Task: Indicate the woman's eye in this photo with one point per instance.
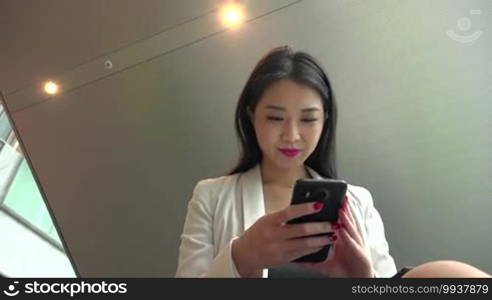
(309, 120)
(280, 119)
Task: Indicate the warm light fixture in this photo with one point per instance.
(232, 15)
(51, 88)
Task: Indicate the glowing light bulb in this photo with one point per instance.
(232, 15)
(51, 88)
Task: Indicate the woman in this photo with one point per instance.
(236, 224)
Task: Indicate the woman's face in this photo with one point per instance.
(288, 117)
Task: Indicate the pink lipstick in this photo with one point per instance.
(290, 152)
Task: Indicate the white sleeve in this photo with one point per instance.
(382, 261)
(196, 251)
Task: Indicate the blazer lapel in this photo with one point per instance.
(313, 173)
(252, 196)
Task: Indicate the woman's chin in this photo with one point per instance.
(288, 162)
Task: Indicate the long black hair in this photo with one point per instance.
(302, 68)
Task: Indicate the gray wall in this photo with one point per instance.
(119, 152)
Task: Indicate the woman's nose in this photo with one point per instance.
(290, 131)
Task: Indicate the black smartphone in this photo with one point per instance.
(329, 191)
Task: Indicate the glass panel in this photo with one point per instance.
(25, 222)
(5, 128)
(25, 199)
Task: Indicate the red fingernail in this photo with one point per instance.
(335, 225)
(333, 238)
(318, 205)
(345, 201)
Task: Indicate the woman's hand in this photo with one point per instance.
(270, 241)
(350, 257)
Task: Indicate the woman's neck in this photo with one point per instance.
(273, 175)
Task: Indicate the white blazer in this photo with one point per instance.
(222, 208)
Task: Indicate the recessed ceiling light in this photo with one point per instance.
(51, 88)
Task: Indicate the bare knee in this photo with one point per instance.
(445, 268)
